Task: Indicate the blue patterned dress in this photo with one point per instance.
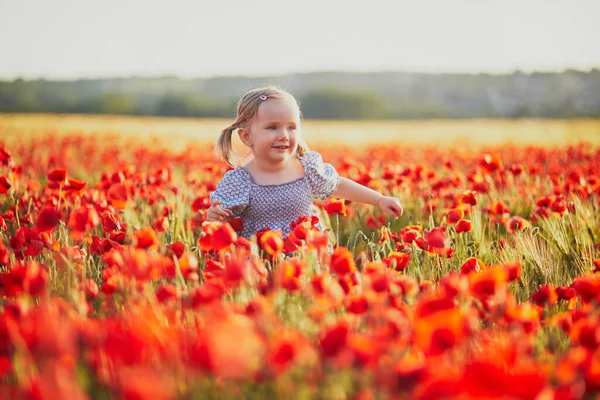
(276, 206)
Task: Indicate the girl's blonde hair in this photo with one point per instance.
(247, 108)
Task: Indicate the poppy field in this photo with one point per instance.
(112, 285)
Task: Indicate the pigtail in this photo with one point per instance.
(224, 147)
(302, 148)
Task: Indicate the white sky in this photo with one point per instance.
(68, 39)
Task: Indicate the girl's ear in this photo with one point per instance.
(245, 136)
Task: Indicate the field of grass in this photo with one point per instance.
(444, 133)
(113, 285)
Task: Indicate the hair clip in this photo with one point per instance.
(263, 97)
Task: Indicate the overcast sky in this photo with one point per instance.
(68, 39)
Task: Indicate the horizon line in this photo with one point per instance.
(304, 72)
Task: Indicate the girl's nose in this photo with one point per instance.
(284, 134)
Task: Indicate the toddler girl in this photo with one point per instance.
(283, 178)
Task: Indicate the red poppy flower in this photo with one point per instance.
(82, 219)
(287, 274)
(4, 184)
(486, 380)
(409, 372)
(201, 203)
(356, 303)
(119, 194)
(146, 238)
(318, 241)
(30, 278)
(489, 282)
(5, 157)
(110, 222)
(559, 205)
(379, 280)
(336, 206)
(366, 349)
(143, 382)
(545, 295)
(176, 248)
(210, 291)
(491, 162)
(310, 220)
(334, 339)
(514, 271)
(4, 254)
(237, 224)
(565, 292)
(90, 288)
(75, 186)
(437, 242)
(463, 225)
(292, 243)
(469, 197)
(596, 263)
(227, 362)
(243, 246)
(271, 242)
(439, 331)
(47, 219)
(516, 223)
(498, 207)
(188, 265)
(397, 260)
(166, 292)
(587, 287)
(409, 236)
(102, 245)
(455, 214)
(161, 224)
(216, 236)
(471, 264)
(376, 223)
(282, 352)
(516, 169)
(213, 269)
(342, 261)
(526, 315)
(59, 175)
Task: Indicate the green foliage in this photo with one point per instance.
(113, 103)
(341, 103)
(189, 105)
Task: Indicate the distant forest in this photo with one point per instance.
(323, 95)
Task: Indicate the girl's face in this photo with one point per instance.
(274, 132)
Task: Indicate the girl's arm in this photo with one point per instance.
(350, 190)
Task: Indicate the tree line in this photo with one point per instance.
(323, 95)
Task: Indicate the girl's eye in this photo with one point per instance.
(272, 127)
(292, 127)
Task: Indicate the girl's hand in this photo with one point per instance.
(391, 206)
(216, 213)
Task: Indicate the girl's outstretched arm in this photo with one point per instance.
(350, 190)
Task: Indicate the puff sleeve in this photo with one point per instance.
(233, 191)
(322, 177)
